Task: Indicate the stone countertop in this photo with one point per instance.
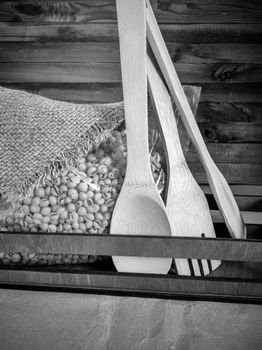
(54, 320)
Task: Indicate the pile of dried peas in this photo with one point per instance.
(79, 199)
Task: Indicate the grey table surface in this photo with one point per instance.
(53, 320)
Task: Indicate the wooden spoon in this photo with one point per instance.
(186, 204)
(220, 188)
(139, 209)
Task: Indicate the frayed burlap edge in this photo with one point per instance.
(89, 139)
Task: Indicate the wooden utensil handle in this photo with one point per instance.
(168, 124)
(160, 50)
(132, 34)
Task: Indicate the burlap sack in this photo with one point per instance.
(37, 134)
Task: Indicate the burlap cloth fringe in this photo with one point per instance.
(38, 134)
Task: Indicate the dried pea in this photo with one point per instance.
(52, 228)
(83, 187)
(71, 184)
(16, 258)
(67, 227)
(90, 209)
(27, 201)
(90, 194)
(82, 196)
(35, 201)
(96, 208)
(96, 225)
(40, 192)
(82, 211)
(46, 211)
(90, 216)
(82, 226)
(74, 216)
(52, 200)
(91, 171)
(92, 230)
(99, 216)
(76, 179)
(82, 166)
(102, 169)
(75, 225)
(89, 224)
(44, 203)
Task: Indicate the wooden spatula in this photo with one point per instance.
(139, 209)
(220, 188)
(186, 204)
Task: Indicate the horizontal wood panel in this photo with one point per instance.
(245, 98)
(125, 245)
(229, 112)
(234, 173)
(215, 53)
(248, 197)
(110, 72)
(239, 190)
(233, 11)
(230, 153)
(231, 132)
(58, 11)
(60, 72)
(109, 52)
(73, 92)
(249, 217)
(228, 93)
(181, 33)
(60, 52)
(166, 12)
(245, 203)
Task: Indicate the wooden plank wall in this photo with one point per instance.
(68, 50)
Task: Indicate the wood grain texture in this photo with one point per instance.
(248, 197)
(98, 72)
(235, 11)
(222, 193)
(230, 111)
(249, 217)
(186, 204)
(58, 11)
(109, 52)
(79, 11)
(231, 86)
(74, 92)
(104, 32)
(193, 94)
(139, 208)
(230, 153)
(126, 245)
(236, 173)
(243, 99)
(232, 93)
(231, 132)
(92, 72)
(239, 190)
(252, 203)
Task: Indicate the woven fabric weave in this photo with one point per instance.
(37, 134)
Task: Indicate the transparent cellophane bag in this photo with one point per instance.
(79, 198)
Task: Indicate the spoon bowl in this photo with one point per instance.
(141, 214)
